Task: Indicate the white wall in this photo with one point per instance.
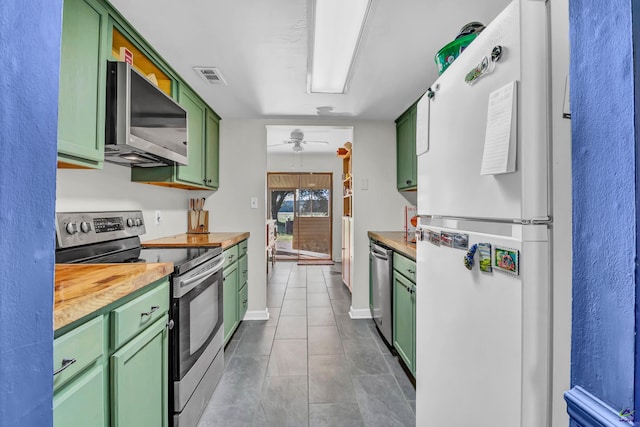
(111, 189)
(243, 169)
(316, 162)
(378, 208)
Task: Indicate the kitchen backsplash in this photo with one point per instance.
(110, 189)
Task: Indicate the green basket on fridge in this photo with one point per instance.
(452, 50)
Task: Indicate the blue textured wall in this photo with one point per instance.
(30, 51)
(604, 194)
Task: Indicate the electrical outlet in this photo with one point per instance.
(158, 217)
(254, 203)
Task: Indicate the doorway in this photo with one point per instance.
(301, 206)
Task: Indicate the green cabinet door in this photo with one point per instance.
(406, 159)
(139, 379)
(212, 150)
(82, 403)
(82, 85)
(194, 173)
(370, 280)
(230, 300)
(404, 319)
(243, 301)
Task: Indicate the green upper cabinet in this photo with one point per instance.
(406, 159)
(203, 149)
(92, 33)
(81, 102)
(212, 150)
(194, 172)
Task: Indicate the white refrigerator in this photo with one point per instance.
(483, 353)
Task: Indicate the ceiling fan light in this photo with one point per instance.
(297, 148)
(337, 27)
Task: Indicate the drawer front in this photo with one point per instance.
(131, 318)
(230, 256)
(242, 248)
(243, 270)
(405, 266)
(83, 344)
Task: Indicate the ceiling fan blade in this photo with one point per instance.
(316, 142)
(277, 145)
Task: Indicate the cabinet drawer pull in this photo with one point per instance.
(65, 364)
(409, 182)
(410, 271)
(154, 308)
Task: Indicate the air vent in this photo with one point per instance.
(211, 75)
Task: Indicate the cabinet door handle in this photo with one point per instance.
(154, 308)
(409, 182)
(65, 364)
(410, 271)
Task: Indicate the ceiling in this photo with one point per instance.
(260, 47)
(334, 136)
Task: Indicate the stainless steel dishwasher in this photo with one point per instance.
(381, 261)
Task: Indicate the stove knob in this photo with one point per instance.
(72, 228)
(129, 222)
(138, 222)
(85, 227)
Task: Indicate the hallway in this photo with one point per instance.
(310, 364)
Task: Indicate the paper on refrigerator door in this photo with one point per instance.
(422, 126)
(499, 155)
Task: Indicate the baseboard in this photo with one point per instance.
(257, 315)
(588, 411)
(360, 313)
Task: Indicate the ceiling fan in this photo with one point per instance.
(296, 140)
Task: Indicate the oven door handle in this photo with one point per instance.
(199, 277)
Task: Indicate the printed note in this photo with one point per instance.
(499, 155)
(422, 126)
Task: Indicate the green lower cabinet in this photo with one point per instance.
(139, 378)
(82, 403)
(113, 368)
(243, 301)
(230, 300)
(370, 280)
(235, 290)
(404, 319)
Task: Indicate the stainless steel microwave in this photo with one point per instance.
(144, 127)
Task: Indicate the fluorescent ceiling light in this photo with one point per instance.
(337, 26)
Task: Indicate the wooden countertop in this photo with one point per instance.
(226, 239)
(82, 289)
(395, 240)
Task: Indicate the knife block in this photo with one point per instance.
(197, 222)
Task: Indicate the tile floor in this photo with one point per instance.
(310, 364)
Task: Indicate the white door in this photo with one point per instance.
(483, 337)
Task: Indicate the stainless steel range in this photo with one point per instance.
(196, 359)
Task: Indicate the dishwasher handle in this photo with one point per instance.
(379, 252)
